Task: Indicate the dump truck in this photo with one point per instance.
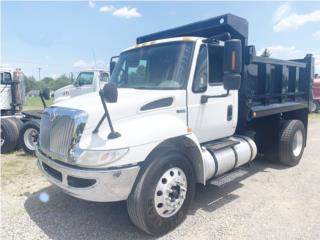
(184, 106)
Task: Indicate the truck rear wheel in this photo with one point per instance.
(18, 125)
(161, 198)
(29, 136)
(9, 135)
(292, 142)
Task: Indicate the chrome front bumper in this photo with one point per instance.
(89, 184)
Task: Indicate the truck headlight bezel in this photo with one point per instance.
(98, 158)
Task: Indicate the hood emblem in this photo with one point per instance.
(52, 116)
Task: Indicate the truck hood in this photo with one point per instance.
(129, 104)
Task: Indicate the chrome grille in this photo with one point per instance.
(60, 128)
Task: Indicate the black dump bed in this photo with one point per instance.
(269, 86)
(236, 26)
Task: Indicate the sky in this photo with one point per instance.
(62, 37)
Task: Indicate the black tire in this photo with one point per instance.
(290, 152)
(18, 125)
(9, 135)
(26, 128)
(141, 202)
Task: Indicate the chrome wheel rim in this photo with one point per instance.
(2, 138)
(297, 143)
(30, 138)
(170, 192)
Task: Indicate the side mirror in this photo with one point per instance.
(45, 93)
(232, 65)
(110, 92)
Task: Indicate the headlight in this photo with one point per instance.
(98, 158)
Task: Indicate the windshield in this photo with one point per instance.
(84, 78)
(162, 66)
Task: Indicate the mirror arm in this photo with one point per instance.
(204, 98)
(43, 101)
(106, 114)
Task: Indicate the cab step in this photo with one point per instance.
(229, 177)
(220, 144)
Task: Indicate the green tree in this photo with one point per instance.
(48, 82)
(30, 83)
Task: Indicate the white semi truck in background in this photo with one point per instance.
(12, 98)
(184, 106)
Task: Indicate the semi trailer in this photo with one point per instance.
(183, 106)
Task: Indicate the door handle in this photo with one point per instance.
(204, 98)
(182, 110)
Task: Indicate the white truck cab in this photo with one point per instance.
(12, 97)
(90, 80)
(182, 107)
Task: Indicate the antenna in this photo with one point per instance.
(94, 58)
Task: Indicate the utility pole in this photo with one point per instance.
(39, 69)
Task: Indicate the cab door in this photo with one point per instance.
(212, 113)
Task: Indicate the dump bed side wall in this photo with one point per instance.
(272, 86)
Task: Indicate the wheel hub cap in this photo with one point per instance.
(30, 138)
(297, 143)
(2, 138)
(170, 192)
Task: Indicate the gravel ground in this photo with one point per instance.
(270, 202)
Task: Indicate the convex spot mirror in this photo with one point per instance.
(232, 64)
(110, 92)
(45, 93)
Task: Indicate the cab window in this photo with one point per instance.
(104, 77)
(201, 73)
(5, 78)
(215, 65)
(85, 78)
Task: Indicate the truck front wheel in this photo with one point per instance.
(292, 142)
(161, 198)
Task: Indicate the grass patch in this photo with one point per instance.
(34, 103)
(314, 116)
(16, 164)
